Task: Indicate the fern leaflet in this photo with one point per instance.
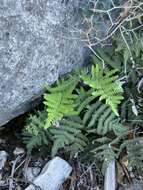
(105, 86)
(34, 135)
(69, 134)
(100, 119)
(134, 148)
(60, 101)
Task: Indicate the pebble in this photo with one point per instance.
(54, 173)
(17, 151)
(31, 173)
(3, 158)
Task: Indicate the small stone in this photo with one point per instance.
(132, 175)
(110, 177)
(3, 158)
(31, 173)
(2, 183)
(18, 151)
(52, 176)
(18, 188)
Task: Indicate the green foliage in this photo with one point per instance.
(106, 128)
(104, 152)
(118, 56)
(83, 99)
(34, 134)
(59, 101)
(134, 118)
(101, 119)
(130, 52)
(105, 86)
(134, 148)
(92, 119)
(76, 115)
(69, 135)
(109, 57)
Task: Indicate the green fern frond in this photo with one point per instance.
(68, 134)
(60, 101)
(83, 99)
(134, 148)
(99, 118)
(63, 84)
(80, 142)
(105, 86)
(108, 56)
(33, 141)
(34, 134)
(35, 122)
(105, 153)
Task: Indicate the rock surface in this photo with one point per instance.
(110, 177)
(52, 176)
(136, 186)
(36, 46)
(3, 158)
(31, 173)
(17, 151)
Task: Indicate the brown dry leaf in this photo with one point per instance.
(126, 163)
(120, 174)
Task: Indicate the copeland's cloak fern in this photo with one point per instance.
(59, 101)
(105, 86)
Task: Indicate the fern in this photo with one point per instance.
(105, 86)
(132, 57)
(106, 154)
(59, 101)
(100, 149)
(34, 134)
(100, 119)
(134, 148)
(80, 123)
(109, 58)
(69, 134)
(118, 55)
(83, 99)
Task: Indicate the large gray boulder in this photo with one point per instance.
(39, 41)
